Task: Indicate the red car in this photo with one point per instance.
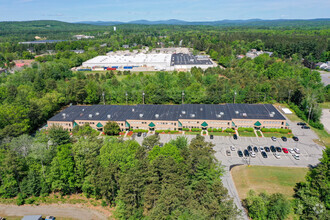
(285, 150)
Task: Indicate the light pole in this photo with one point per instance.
(126, 97)
(235, 96)
(103, 98)
(182, 97)
(143, 97)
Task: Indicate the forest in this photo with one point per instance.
(179, 180)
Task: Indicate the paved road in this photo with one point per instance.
(325, 77)
(325, 119)
(309, 156)
(67, 211)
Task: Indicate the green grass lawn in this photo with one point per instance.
(246, 134)
(324, 137)
(325, 105)
(267, 179)
(278, 135)
(192, 132)
(220, 134)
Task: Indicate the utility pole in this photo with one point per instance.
(309, 112)
(126, 97)
(143, 97)
(235, 96)
(103, 98)
(182, 97)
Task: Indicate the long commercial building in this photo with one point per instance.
(171, 117)
(157, 61)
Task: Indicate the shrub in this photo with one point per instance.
(317, 125)
(174, 132)
(185, 129)
(245, 129)
(29, 200)
(230, 130)
(210, 129)
(139, 130)
(111, 128)
(196, 129)
(20, 199)
(104, 203)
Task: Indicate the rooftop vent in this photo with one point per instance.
(221, 113)
(63, 115)
(83, 109)
(201, 109)
(90, 115)
(218, 116)
(183, 112)
(271, 115)
(156, 115)
(109, 116)
(133, 110)
(97, 113)
(244, 115)
(192, 115)
(237, 112)
(141, 115)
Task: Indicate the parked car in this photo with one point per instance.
(295, 138)
(246, 153)
(261, 149)
(296, 156)
(228, 152)
(272, 149)
(211, 136)
(277, 155)
(305, 127)
(235, 136)
(232, 147)
(50, 218)
(291, 150)
(144, 134)
(274, 138)
(252, 154)
(255, 149)
(267, 149)
(139, 134)
(297, 150)
(278, 149)
(240, 154)
(285, 150)
(301, 123)
(249, 148)
(264, 155)
(284, 138)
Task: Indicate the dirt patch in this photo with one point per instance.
(58, 210)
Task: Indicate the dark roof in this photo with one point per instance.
(188, 59)
(169, 112)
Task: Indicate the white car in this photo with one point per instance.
(261, 149)
(277, 155)
(297, 150)
(232, 148)
(274, 138)
(291, 150)
(252, 154)
(296, 156)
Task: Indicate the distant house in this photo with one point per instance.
(78, 51)
(253, 53)
(81, 36)
(241, 56)
(32, 217)
(22, 63)
(319, 64)
(104, 45)
(126, 46)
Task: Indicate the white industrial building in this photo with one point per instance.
(149, 62)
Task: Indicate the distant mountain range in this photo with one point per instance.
(213, 23)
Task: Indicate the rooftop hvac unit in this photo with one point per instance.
(156, 115)
(133, 110)
(109, 116)
(63, 115)
(221, 113)
(90, 115)
(83, 109)
(201, 109)
(244, 115)
(192, 115)
(97, 113)
(236, 112)
(141, 115)
(218, 116)
(271, 115)
(183, 112)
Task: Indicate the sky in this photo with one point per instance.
(188, 10)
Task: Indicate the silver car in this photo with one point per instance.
(296, 156)
(297, 150)
(232, 148)
(277, 155)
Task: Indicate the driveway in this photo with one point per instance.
(325, 77)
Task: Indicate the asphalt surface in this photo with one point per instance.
(325, 77)
(325, 119)
(310, 153)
